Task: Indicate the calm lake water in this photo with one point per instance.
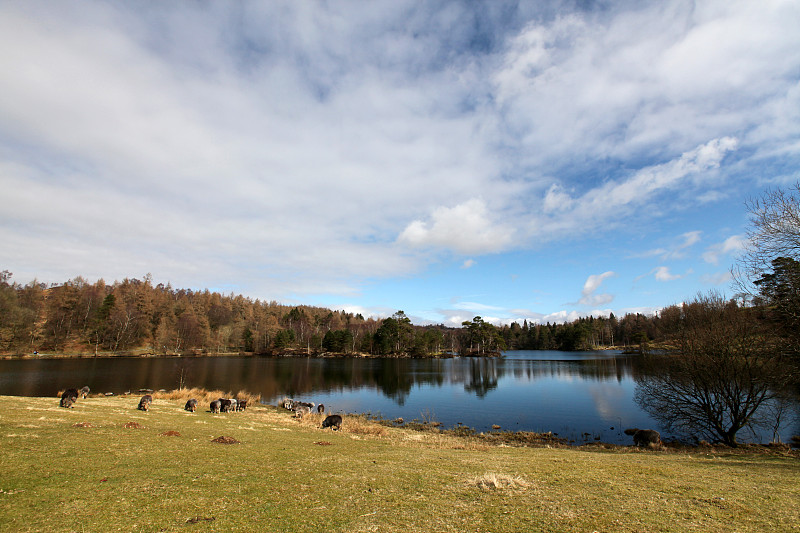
(582, 396)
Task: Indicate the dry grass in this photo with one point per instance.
(492, 481)
(204, 395)
(353, 424)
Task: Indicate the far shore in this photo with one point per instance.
(141, 353)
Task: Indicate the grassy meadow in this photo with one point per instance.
(105, 466)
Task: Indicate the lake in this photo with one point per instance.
(582, 396)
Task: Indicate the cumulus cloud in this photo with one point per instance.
(663, 273)
(465, 228)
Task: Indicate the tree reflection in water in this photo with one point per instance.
(567, 392)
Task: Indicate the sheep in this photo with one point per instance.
(332, 421)
(216, 406)
(321, 408)
(84, 391)
(68, 397)
(302, 410)
(144, 403)
(191, 405)
(241, 404)
(644, 437)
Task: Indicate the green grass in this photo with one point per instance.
(289, 475)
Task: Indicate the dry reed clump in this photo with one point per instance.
(133, 425)
(492, 481)
(205, 396)
(170, 433)
(361, 425)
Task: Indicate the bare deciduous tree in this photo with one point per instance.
(726, 374)
(774, 232)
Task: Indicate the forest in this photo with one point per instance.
(136, 317)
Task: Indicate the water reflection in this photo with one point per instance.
(395, 378)
(574, 394)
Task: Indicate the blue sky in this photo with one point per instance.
(533, 160)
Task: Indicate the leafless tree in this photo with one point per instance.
(725, 375)
(774, 232)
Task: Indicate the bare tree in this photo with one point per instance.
(726, 374)
(774, 233)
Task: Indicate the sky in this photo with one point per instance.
(535, 161)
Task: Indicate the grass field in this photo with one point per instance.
(105, 466)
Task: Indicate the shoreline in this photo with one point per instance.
(495, 437)
(321, 355)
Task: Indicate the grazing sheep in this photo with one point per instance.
(241, 404)
(225, 405)
(191, 405)
(68, 397)
(144, 403)
(234, 405)
(644, 437)
(332, 421)
(321, 408)
(84, 391)
(287, 403)
(216, 406)
(301, 410)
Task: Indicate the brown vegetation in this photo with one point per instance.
(225, 440)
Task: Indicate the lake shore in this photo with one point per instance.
(168, 469)
(287, 353)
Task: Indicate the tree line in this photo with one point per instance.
(136, 316)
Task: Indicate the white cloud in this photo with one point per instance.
(298, 147)
(591, 286)
(469, 263)
(465, 228)
(677, 250)
(663, 273)
(614, 199)
(730, 246)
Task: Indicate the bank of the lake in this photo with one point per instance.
(105, 466)
(580, 396)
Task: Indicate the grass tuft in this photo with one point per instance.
(492, 481)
